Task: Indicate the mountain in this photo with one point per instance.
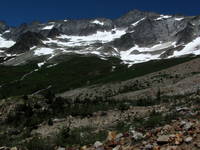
(67, 84)
(134, 38)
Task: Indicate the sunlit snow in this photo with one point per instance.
(7, 31)
(40, 64)
(99, 36)
(163, 17)
(137, 22)
(5, 43)
(143, 54)
(190, 48)
(98, 22)
(49, 27)
(43, 51)
(179, 19)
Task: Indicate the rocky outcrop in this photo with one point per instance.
(26, 41)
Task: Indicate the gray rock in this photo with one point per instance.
(97, 144)
(4, 148)
(163, 139)
(148, 147)
(117, 147)
(187, 125)
(61, 148)
(188, 139)
(137, 135)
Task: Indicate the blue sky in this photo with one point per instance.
(16, 12)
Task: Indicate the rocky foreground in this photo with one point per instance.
(181, 134)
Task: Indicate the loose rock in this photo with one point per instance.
(188, 139)
(164, 139)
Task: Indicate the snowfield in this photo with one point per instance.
(143, 54)
(190, 48)
(100, 36)
(49, 27)
(5, 43)
(43, 51)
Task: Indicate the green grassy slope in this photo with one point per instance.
(78, 71)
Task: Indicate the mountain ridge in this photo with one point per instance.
(143, 32)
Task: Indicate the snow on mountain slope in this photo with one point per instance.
(97, 22)
(138, 54)
(5, 43)
(43, 51)
(163, 17)
(135, 37)
(190, 48)
(137, 22)
(99, 36)
(49, 27)
(179, 19)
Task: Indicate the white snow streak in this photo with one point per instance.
(49, 27)
(43, 51)
(190, 48)
(5, 43)
(97, 22)
(163, 17)
(179, 19)
(40, 64)
(137, 22)
(143, 53)
(99, 36)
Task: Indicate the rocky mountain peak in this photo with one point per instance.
(152, 35)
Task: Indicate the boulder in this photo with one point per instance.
(163, 139)
(61, 148)
(148, 147)
(137, 135)
(188, 139)
(97, 144)
(117, 147)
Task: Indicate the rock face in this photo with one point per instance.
(26, 41)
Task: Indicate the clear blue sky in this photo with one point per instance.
(15, 12)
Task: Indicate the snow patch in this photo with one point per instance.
(137, 22)
(7, 31)
(40, 64)
(50, 66)
(99, 36)
(143, 54)
(97, 22)
(43, 51)
(5, 43)
(190, 48)
(179, 19)
(49, 27)
(163, 17)
(129, 58)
